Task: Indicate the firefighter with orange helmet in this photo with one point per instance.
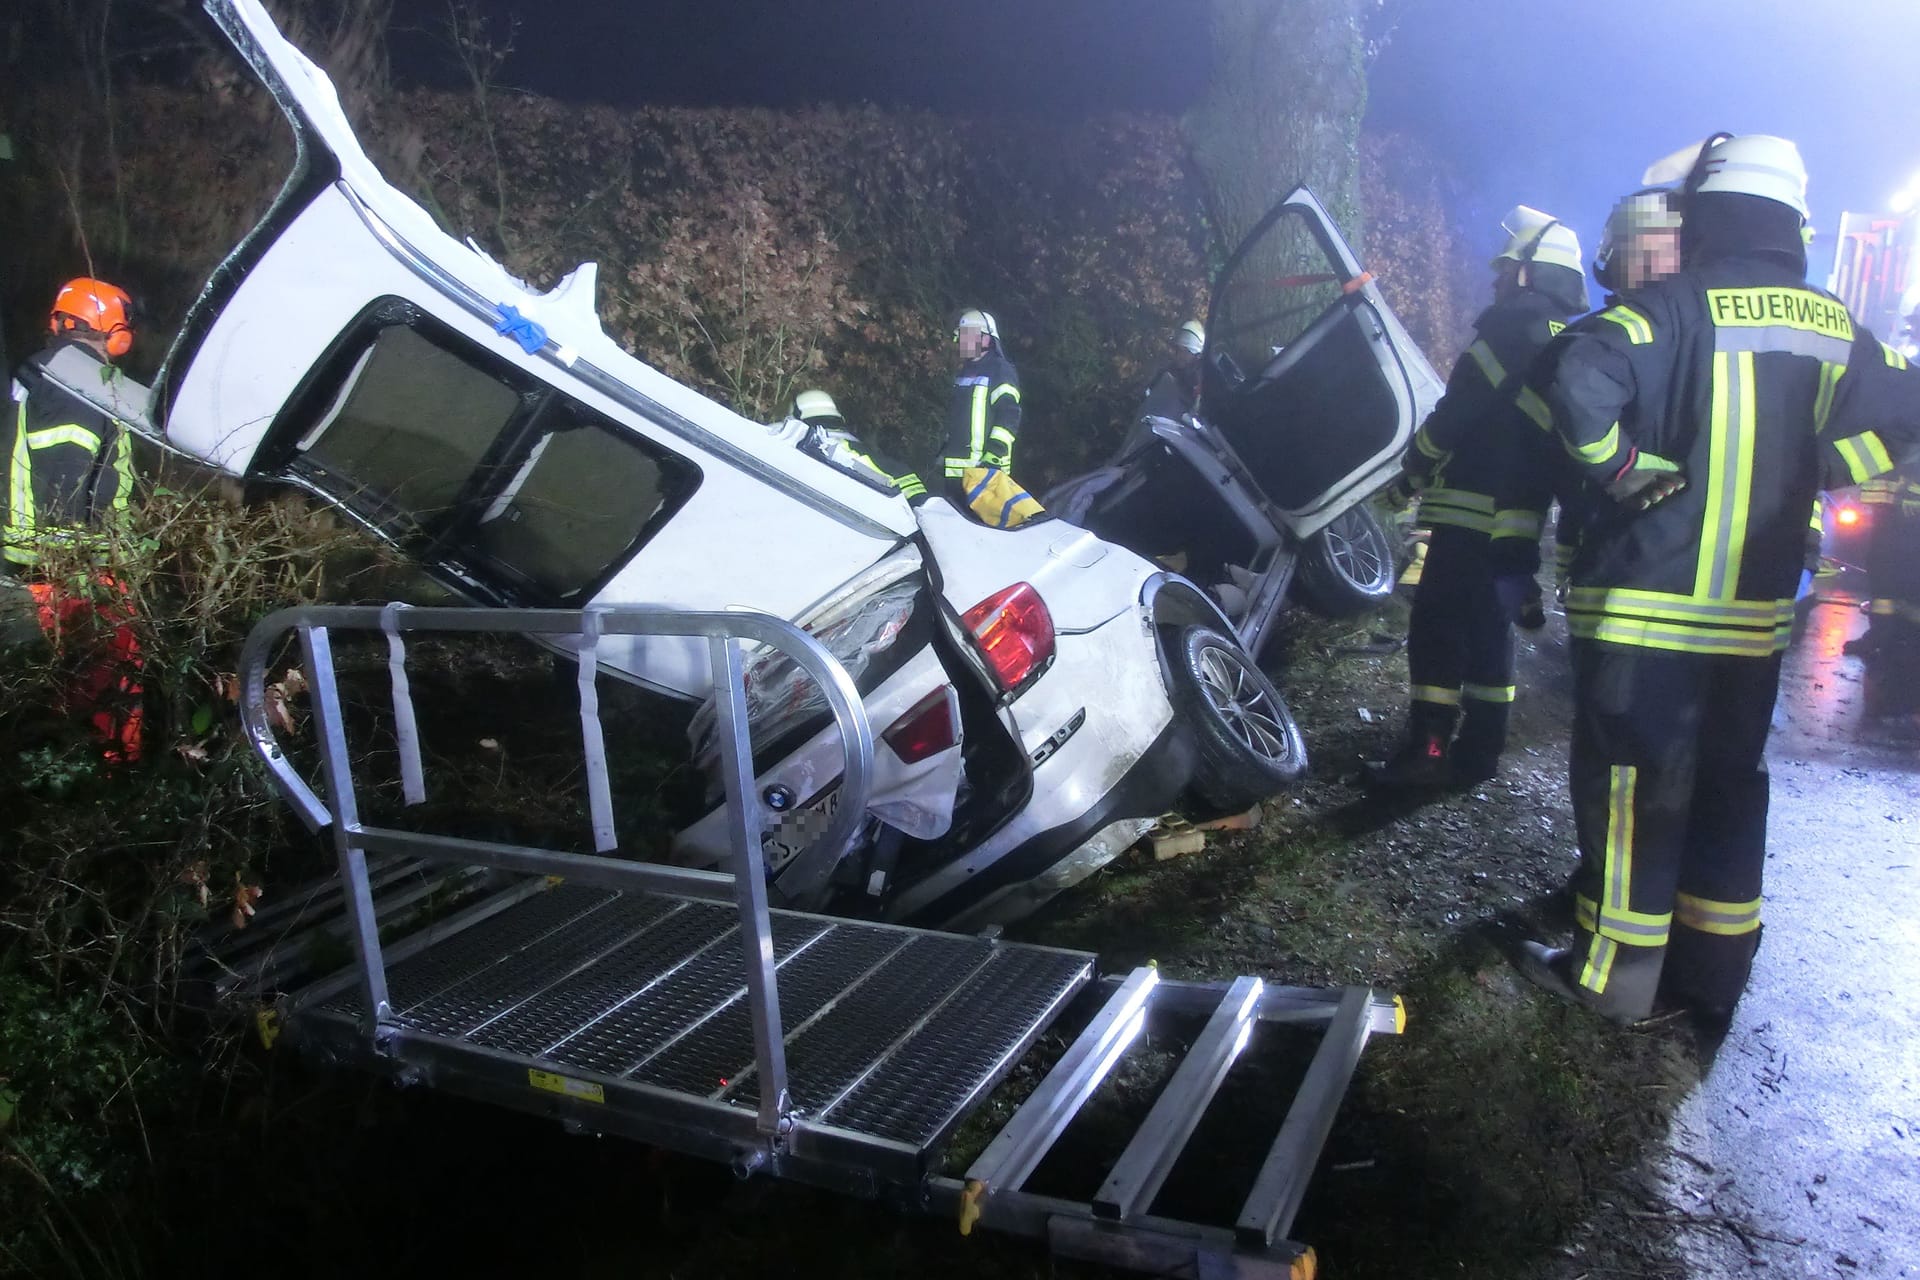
(70, 472)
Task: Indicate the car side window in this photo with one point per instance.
(407, 430)
(476, 464)
(1285, 281)
(580, 497)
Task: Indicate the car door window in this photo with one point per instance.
(1282, 284)
(580, 498)
(474, 466)
(407, 430)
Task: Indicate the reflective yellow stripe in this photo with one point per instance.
(1601, 451)
(1517, 522)
(978, 426)
(123, 471)
(1639, 331)
(1723, 532)
(1001, 434)
(1465, 499)
(1434, 693)
(1675, 638)
(1671, 606)
(1823, 403)
(1487, 692)
(1634, 928)
(1865, 456)
(1599, 963)
(1426, 446)
(1535, 408)
(21, 516)
(1894, 358)
(1004, 390)
(46, 437)
(1708, 916)
(1489, 363)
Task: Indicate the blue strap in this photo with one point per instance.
(523, 330)
(984, 482)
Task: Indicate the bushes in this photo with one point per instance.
(108, 868)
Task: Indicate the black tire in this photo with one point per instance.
(1248, 743)
(1348, 567)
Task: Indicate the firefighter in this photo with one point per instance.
(983, 414)
(983, 422)
(1639, 246)
(1460, 639)
(1708, 408)
(828, 429)
(70, 472)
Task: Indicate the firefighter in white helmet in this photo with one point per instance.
(983, 423)
(1708, 409)
(1460, 639)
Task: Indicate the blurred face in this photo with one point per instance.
(1648, 257)
(973, 343)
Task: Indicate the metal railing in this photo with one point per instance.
(745, 883)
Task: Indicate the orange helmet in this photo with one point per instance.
(94, 305)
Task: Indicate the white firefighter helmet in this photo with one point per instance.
(1655, 209)
(1753, 164)
(1191, 336)
(974, 318)
(813, 405)
(1533, 236)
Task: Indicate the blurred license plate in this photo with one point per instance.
(801, 828)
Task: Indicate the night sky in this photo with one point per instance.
(1560, 107)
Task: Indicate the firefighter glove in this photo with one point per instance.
(1646, 478)
(1405, 488)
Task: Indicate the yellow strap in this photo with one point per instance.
(1535, 408)
(1487, 692)
(1436, 694)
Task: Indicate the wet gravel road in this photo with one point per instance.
(1799, 1154)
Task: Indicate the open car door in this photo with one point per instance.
(1307, 373)
(496, 435)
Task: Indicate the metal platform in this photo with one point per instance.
(679, 1008)
(890, 1034)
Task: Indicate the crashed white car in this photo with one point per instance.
(1038, 695)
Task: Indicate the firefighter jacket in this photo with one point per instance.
(983, 415)
(1764, 391)
(1470, 446)
(70, 466)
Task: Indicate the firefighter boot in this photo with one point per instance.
(1706, 973)
(1422, 761)
(1483, 736)
(1628, 997)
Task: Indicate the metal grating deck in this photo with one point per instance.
(890, 1033)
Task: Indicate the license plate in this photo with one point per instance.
(800, 828)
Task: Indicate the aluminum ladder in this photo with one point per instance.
(679, 1007)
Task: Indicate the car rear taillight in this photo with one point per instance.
(1014, 632)
(929, 727)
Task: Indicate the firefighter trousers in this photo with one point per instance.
(1669, 781)
(1460, 649)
